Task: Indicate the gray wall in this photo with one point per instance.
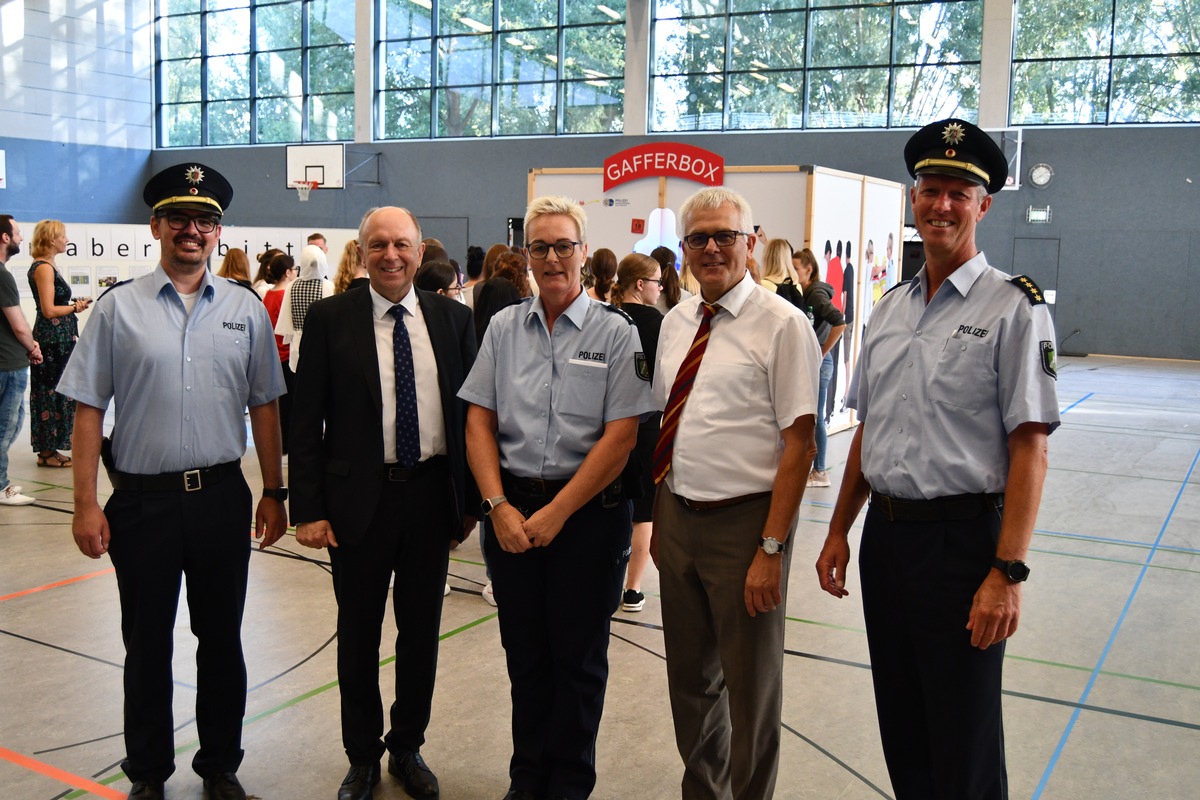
(1125, 226)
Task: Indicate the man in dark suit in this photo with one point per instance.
(378, 475)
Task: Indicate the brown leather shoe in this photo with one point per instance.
(418, 778)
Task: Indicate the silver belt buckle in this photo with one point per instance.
(191, 481)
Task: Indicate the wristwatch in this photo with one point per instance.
(771, 545)
(279, 494)
(1015, 570)
(490, 504)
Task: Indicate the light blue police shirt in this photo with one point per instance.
(180, 383)
(940, 386)
(554, 392)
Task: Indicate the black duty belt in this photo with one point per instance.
(192, 480)
(532, 487)
(391, 472)
(939, 509)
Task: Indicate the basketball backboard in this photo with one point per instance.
(324, 164)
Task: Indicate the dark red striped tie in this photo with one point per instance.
(679, 394)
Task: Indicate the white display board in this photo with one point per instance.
(836, 222)
(98, 256)
(641, 215)
(807, 205)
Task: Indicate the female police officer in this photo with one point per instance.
(555, 394)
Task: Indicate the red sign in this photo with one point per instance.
(670, 159)
(638, 226)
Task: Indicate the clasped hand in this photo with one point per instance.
(517, 533)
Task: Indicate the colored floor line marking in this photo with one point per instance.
(835, 760)
(1107, 673)
(1097, 670)
(62, 776)
(1123, 561)
(56, 584)
(1087, 537)
(1077, 402)
(311, 693)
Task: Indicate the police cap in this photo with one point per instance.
(192, 186)
(956, 147)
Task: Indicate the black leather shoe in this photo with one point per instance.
(418, 778)
(520, 794)
(146, 790)
(223, 787)
(359, 782)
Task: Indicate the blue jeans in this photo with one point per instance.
(823, 390)
(12, 413)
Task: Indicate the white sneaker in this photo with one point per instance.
(447, 593)
(819, 478)
(11, 496)
(489, 595)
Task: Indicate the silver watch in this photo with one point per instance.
(771, 545)
(490, 504)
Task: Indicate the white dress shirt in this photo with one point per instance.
(429, 401)
(758, 376)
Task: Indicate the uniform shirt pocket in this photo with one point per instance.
(231, 360)
(585, 385)
(964, 374)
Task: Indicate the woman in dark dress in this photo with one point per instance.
(51, 415)
(635, 291)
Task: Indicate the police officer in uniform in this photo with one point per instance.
(556, 393)
(182, 353)
(955, 390)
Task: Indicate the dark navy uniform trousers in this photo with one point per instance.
(937, 697)
(555, 605)
(158, 537)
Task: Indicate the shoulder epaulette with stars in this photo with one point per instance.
(1026, 285)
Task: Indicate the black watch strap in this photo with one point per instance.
(1015, 570)
(279, 494)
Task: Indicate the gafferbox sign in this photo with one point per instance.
(664, 159)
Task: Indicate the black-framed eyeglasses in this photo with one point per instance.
(178, 221)
(699, 241)
(562, 249)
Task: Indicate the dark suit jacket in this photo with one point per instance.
(336, 450)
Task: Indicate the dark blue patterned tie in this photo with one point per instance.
(408, 433)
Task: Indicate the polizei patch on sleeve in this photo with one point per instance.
(1049, 361)
(641, 367)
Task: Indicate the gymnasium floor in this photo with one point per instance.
(1102, 685)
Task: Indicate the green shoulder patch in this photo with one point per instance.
(1031, 290)
(641, 366)
(1049, 359)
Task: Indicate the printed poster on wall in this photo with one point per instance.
(836, 224)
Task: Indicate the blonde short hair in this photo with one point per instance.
(557, 204)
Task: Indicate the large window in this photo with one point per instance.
(1080, 62)
(773, 64)
(451, 68)
(254, 71)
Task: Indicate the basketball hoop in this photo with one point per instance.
(303, 188)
